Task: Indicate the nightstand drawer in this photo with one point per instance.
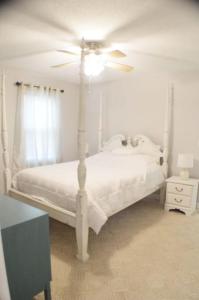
(179, 189)
(179, 200)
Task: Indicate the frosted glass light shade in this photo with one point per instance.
(185, 160)
(94, 64)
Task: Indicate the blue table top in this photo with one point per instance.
(13, 212)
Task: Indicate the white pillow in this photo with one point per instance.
(124, 150)
(144, 145)
(113, 143)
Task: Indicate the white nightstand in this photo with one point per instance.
(181, 194)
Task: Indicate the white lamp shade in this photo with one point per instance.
(185, 160)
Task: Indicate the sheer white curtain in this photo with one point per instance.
(37, 134)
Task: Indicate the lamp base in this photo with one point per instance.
(184, 174)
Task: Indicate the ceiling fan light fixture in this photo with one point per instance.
(94, 64)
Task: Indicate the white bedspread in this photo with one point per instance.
(113, 182)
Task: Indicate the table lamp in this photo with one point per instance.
(185, 162)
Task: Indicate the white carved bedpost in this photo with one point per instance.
(4, 138)
(166, 140)
(100, 123)
(82, 228)
(167, 129)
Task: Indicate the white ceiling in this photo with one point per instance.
(157, 35)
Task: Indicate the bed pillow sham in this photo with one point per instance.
(144, 145)
(114, 142)
(124, 150)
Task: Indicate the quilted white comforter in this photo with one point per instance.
(113, 182)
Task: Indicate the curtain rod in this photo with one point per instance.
(18, 83)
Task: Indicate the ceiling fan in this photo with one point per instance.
(97, 58)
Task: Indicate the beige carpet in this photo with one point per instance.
(142, 253)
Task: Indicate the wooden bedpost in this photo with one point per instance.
(166, 140)
(4, 138)
(100, 123)
(82, 227)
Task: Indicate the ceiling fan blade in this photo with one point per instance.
(116, 54)
(68, 52)
(64, 65)
(119, 67)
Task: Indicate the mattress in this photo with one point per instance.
(113, 182)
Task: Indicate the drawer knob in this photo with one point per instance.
(178, 200)
(179, 189)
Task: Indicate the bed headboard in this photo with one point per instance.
(166, 133)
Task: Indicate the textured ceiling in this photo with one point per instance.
(157, 35)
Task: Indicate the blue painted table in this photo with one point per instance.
(25, 237)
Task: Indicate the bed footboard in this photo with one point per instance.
(55, 212)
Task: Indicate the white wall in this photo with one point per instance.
(137, 105)
(69, 100)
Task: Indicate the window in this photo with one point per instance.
(39, 127)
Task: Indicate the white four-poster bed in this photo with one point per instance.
(79, 217)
